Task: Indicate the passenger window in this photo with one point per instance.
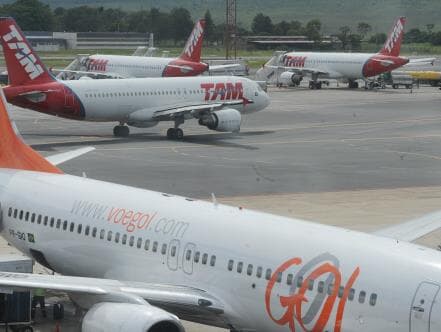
(197, 255)
(10, 212)
(351, 294)
(124, 239)
(45, 219)
(155, 246)
(79, 228)
(268, 274)
(289, 279)
(230, 265)
(188, 255)
(330, 289)
(279, 277)
(94, 231)
(26, 216)
(102, 234)
(373, 299)
(72, 226)
(321, 286)
(64, 225)
(132, 241)
(164, 249)
(362, 297)
(146, 244)
(21, 215)
(239, 267)
(117, 235)
(341, 290)
(250, 269)
(109, 236)
(58, 222)
(139, 243)
(33, 217)
(259, 272)
(86, 231)
(15, 213)
(299, 282)
(212, 260)
(52, 222)
(39, 219)
(173, 251)
(204, 258)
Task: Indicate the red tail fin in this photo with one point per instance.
(14, 153)
(392, 46)
(193, 47)
(24, 66)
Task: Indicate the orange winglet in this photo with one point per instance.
(14, 153)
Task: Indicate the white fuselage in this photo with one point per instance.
(128, 66)
(84, 227)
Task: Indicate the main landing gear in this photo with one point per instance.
(176, 132)
(121, 130)
(315, 85)
(352, 84)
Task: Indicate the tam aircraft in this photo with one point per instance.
(187, 64)
(349, 67)
(216, 102)
(140, 261)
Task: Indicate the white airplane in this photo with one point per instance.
(217, 102)
(291, 67)
(140, 261)
(121, 66)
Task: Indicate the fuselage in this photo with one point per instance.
(272, 273)
(343, 65)
(141, 67)
(118, 100)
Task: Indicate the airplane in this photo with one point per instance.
(122, 66)
(216, 102)
(348, 67)
(142, 261)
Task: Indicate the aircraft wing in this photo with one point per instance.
(223, 67)
(421, 61)
(413, 229)
(163, 295)
(91, 74)
(189, 111)
(301, 71)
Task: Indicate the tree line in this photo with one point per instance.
(33, 15)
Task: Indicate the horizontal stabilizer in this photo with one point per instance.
(60, 158)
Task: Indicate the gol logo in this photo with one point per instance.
(320, 308)
(194, 38)
(24, 54)
(395, 35)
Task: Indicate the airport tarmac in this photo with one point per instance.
(358, 159)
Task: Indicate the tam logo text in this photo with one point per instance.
(294, 61)
(222, 91)
(96, 64)
(194, 39)
(395, 35)
(24, 55)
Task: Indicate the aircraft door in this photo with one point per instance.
(173, 254)
(187, 257)
(420, 312)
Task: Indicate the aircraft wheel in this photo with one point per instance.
(179, 133)
(170, 133)
(121, 131)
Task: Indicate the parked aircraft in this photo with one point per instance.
(217, 102)
(121, 66)
(140, 261)
(291, 67)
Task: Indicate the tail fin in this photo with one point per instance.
(392, 46)
(193, 47)
(23, 65)
(14, 153)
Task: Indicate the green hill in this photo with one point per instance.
(333, 13)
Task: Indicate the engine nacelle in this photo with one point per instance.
(226, 120)
(142, 124)
(123, 317)
(290, 78)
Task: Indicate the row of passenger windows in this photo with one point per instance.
(117, 237)
(260, 272)
(142, 93)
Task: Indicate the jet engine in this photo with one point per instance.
(226, 120)
(142, 124)
(123, 317)
(290, 78)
